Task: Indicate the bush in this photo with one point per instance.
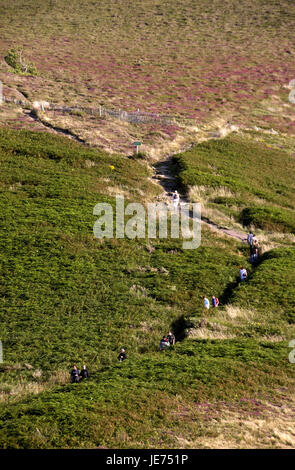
(15, 59)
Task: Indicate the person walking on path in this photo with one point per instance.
(175, 200)
(171, 338)
(84, 374)
(122, 355)
(75, 375)
(243, 274)
(254, 240)
(206, 302)
(215, 301)
(254, 254)
(250, 238)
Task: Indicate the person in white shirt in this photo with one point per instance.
(175, 199)
(243, 274)
(206, 302)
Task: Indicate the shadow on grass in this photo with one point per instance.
(180, 326)
(228, 292)
(60, 130)
(171, 181)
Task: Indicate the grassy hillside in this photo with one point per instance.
(163, 401)
(68, 298)
(65, 291)
(250, 181)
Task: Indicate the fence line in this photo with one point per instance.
(10, 100)
(135, 117)
(101, 111)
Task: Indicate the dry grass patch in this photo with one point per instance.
(89, 163)
(205, 333)
(21, 389)
(232, 312)
(116, 191)
(204, 194)
(273, 338)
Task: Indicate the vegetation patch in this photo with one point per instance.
(16, 60)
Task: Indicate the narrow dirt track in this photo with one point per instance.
(164, 177)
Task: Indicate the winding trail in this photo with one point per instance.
(162, 173)
(164, 176)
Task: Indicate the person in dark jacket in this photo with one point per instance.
(171, 338)
(84, 374)
(254, 254)
(122, 355)
(75, 375)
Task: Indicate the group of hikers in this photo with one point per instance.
(169, 340)
(251, 239)
(77, 375)
(214, 300)
(254, 252)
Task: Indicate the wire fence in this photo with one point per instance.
(10, 100)
(133, 117)
(136, 117)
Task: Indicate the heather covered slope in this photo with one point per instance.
(199, 60)
(219, 67)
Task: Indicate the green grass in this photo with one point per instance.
(59, 280)
(270, 290)
(268, 218)
(135, 404)
(251, 172)
(68, 298)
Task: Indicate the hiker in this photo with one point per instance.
(164, 343)
(122, 355)
(84, 374)
(206, 302)
(175, 199)
(171, 338)
(215, 301)
(75, 375)
(243, 274)
(250, 238)
(254, 254)
(254, 240)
